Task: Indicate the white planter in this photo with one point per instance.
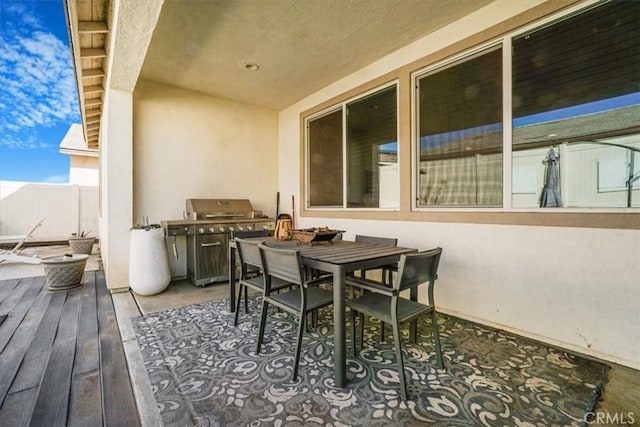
(149, 271)
(81, 245)
(64, 272)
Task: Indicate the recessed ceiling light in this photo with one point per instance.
(251, 66)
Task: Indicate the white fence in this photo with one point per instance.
(68, 208)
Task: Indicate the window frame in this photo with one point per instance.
(503, 41)
(534, 17)
(342, 106)
(449, 62)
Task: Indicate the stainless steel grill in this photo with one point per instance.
(208, 226)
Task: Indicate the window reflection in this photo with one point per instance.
(460, 133)
(576, 87)
(368, 163)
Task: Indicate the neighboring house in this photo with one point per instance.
(84, 164)
(454, 104)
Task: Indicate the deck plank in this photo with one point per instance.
(87, 345)
(19, 336)
(17, 408)
(8, 287)
(36, 356)
(15, 295)
(62, 360)
(52, 403)
(85, 406)
(119, 402)
(12, 305)
(86, 388)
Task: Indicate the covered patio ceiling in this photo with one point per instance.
(211, 46)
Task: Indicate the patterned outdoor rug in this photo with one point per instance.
(204, 371)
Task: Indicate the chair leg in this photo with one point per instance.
(398, 348)
(436, 339)
(237, 313)
(413, 330)
(382, 330)
(354, 314)
(362, 330)
(296, 361)
(263, 320)
(246, 299)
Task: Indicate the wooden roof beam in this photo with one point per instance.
(92, 89)
(92, 112)
(93, 52)
(93, 27)
(92, 102)
(93, 72)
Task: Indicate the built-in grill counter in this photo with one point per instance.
(208, 227)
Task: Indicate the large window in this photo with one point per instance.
(574, 90)
(545, 117)
(576, 110)
(459, 133)
(352, 153)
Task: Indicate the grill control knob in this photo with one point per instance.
(249, 228)
(212, 230)
(200, 230)
(221, 229)
(265, 227)
(240, 228)
(231, 229)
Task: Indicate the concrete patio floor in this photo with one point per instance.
(619, 404)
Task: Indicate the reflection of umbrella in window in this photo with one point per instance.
(550, 196)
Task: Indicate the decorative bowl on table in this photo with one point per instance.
(314, 234)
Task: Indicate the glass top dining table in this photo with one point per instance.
(339, 258)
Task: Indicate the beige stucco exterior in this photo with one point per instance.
(574, 286)
(189, 145)
(83, 161)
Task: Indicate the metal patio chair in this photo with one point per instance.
(387, 270)
(385, 303)
(251, 276)
(306, 297)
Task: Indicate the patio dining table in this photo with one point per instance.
(339, 258)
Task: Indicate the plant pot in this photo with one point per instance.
(81, 245)
(149, 271)
(64, 272)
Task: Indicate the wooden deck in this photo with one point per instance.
(61, 356)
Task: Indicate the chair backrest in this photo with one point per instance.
(375, 240)
(284, 264)
(417, 268)
(246, 234)
(248, 253)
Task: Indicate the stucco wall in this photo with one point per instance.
(83, 170)
(188, 145)
(576, 287)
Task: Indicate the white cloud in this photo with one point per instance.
(57, 179)
(36, 76)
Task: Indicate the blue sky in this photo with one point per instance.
(38, 95)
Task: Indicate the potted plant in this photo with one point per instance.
(149, 271)
(64, 272)
(81, 243)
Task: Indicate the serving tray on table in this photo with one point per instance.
(314, 235)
